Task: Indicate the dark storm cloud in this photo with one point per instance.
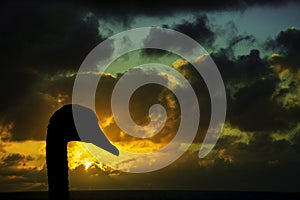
(165, 39)
(163, 8)
(14, 177)
(287, 44)
(48, 35)
(37, 38)
(238, 68)
(251, 84)
(15, 159)
(30, 116)
(253, 166)
(198, 30)
(40, 36)
(243, 69)
(290, 40)
(39, 41)
(254, 110)
(275, 159)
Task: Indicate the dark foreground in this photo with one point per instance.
(155, 195)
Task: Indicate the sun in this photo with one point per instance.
(87, 164)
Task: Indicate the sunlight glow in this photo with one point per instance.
(78, 155)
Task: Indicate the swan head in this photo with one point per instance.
(63, 122)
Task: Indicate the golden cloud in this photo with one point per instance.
(289, 76)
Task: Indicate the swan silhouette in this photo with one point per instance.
(61, 130)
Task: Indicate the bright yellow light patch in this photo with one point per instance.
(106, 121)
(139, 146)
(78, 155)
(275, 55)
(178, 63)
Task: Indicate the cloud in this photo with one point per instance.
(199, 30)
(287, 90)
(40, 38)
(260, 88)
(141, 101)
(164, 8)
(48, 35)
(14, 159)
(286, 43)
(285, 64)
(238, 69)
(5, 135)
(236, 152)
(164, 40)
(231, 157)
(253, 108)
(22, 166)
(47, 82)
(239, 38)
(23, 180)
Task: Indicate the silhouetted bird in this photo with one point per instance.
(61, 130)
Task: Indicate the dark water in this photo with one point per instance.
(155, 195)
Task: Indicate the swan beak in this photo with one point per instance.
(94, 135)
(103, 143)
(89, 131)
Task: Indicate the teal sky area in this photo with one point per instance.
(261, 22)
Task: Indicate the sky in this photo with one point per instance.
(254, 44)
